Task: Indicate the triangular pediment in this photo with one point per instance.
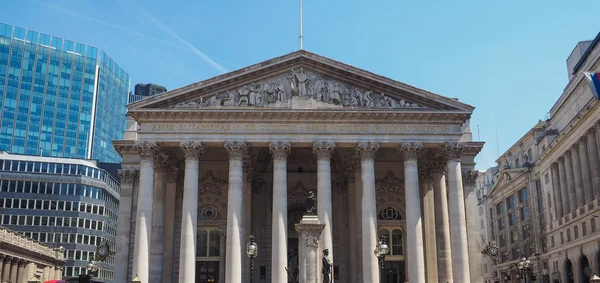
(506, 177)
(300, 80)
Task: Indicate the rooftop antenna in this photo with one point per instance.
(300, 24)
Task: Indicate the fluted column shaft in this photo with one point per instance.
(128, 177)
(429, 225)
(14, 266)
(233, 257)
(558, 205)
(323, 151)
(564, 188)
(588, 193)
(1, 265)
(367, 151)
(143, 224)
(473, 225)
(577, 173)
(414, 221)
(169, 233)
(279, 151)
(442, 229)
(456, 209)
(571, 181)
(592, 141)
(189, 212)
(6, 269)
(158, 218)
(21, 276)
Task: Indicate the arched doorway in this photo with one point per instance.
(390, 226)
(584, 269)
(569, 272)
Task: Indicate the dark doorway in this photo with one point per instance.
(569, 272)
(207, 271)
(584, 269)
(393, 272)
(293, 263)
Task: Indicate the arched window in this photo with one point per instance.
(208, 213)
(390, 213)
(208, 243)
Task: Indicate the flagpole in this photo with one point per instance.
(300, 24)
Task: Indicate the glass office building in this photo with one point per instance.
(59, 98)
(65, 202)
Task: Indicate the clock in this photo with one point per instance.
(102, 251)
(493, 251)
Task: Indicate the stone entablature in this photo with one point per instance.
(18, 240)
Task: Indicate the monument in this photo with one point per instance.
(309, 233)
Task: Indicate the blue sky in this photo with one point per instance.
(506, 58)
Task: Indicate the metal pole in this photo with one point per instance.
(251, 269)
(300, 24)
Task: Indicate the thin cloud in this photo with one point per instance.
(204, 57)
(133, 32)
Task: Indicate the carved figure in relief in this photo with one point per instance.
(385, 101)
(301, 82)
(322, 91)
(349, 98)
(228, 100)
(254, 96)
(280, 91)
(336, 94)
(270, 94)
(360, 96)
(368, 100)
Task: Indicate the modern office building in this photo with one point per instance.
(65, 202)
(58, 97)
(146, 90)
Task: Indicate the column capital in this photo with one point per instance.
(575, 147)
(161, 162)
(367, 150)
(583, 139)
(410, 150)
(2, 256)
(438, 165)
(469, 177)
(280, 149)
(236, 149)
(127, 176)
(147, 149)
(568, 153)
(23, 262)
(172, 174)
(192, 149)
(7, 257)
(561, 159)
(453, 150)
(323, 149)
(591, 131)
(15, 260)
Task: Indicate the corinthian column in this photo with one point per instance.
(564, 188)
(414, 225)
(6, 269)
(161, 163)
(456, 209)
(22, 277)
(442, 229)
(233, 256)
(584, 157)
(323, 151)
(473, 227)
(572, 182)
(14, 269)
(127, 177)
(143, 224)
(280, 151)
(558, 206)
(366, 151)
(189, 212)
(170, 207)
(576, 162)
(592, 142)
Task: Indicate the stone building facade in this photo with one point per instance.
(206, 165)
(484, 183)
(22, 258)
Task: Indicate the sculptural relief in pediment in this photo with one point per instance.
(299, 88)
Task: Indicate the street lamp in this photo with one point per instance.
(251, 251)
(381, 249)
(92, 270)
(136, 280)
(525, 268)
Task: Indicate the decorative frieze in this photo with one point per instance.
(192, 149)
(469, 177)
(280, 150)
(323, 149)
(236, 149)
(127, 176)
(299, 85)
(367, 150)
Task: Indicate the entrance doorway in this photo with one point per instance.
(393, 272)
(207, 271)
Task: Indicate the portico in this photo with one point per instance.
(209, 164)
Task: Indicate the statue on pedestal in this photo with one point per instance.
(326, 270)
(309, 204)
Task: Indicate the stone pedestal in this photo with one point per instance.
(309, 232)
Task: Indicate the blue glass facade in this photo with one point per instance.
(59, 98)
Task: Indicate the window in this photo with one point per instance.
(584, 228)
(593, 224)
(514, 236)
(576, 231)
(501, 224)
(208, 213)
(523, 195)
(390, 213)
(517, 163)
(500, 208)
(208, 243)
(568, 235)
(395, 239)
(513, 218)
(524, 213)
(511, 202)
(538, 186)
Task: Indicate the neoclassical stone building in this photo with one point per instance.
(206, 165)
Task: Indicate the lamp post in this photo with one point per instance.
(251, 251)
(524, 266)
(136, 280)
(381, 249)
(91, 269)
